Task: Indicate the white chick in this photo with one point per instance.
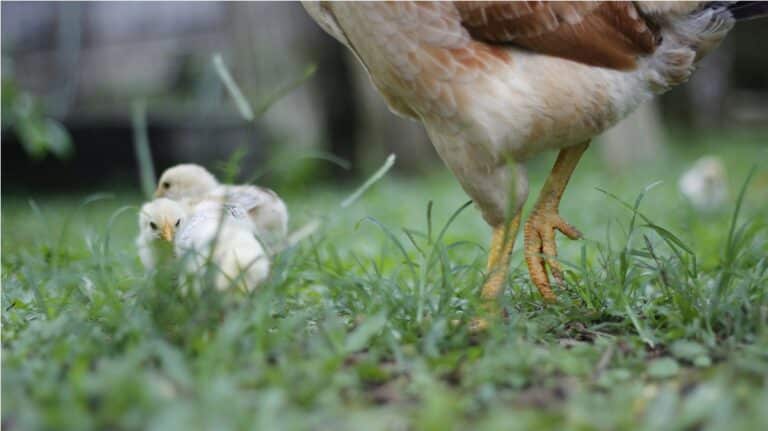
(192, 184)
(705, 184)
(238, 257)
(158, 222)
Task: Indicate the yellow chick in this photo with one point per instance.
(158, 222)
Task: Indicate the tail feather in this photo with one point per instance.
(744, 10)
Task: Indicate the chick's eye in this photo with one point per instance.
(167, 185)
(153, 225)
(178, 222)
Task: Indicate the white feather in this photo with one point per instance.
(223, 234)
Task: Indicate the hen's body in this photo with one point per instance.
(495, 83)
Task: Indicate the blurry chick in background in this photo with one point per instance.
(158, 222)
(224, 234)
(705, 185)
(191, 184)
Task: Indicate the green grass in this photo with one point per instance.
(663, 324)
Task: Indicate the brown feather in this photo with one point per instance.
(605, 34)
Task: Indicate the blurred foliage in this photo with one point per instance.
(23, 113)
(243, 104)
(229, 170)
(147, 175)
(288, 167)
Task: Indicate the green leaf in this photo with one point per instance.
(689, 350)
(59, 143)
(360, 337)
(663, 368)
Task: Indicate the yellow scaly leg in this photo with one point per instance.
(502, 241)
(539, 231)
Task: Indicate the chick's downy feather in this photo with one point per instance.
(224, 234)
(265, 208)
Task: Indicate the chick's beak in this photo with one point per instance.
(166, 232)
(159, 193)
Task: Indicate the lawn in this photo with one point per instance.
(365, 324)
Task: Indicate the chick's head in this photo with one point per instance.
(185, 181)
(160, 218)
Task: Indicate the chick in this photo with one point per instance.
(186, 182)
(191, 184)
(158, 222)
(705, 184)
(239, 258)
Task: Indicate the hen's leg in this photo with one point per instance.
(539, 231)
(502, 241)
(499, 188)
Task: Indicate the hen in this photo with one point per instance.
(496, 82)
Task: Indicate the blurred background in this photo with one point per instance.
(72, 74)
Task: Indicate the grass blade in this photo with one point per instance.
(242, 104)
(143, 153)
(369, 182)
(730, 246)
(309, 71)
